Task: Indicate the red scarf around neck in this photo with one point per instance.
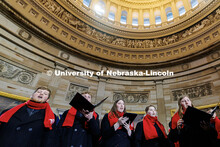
(112, 118)
(150, 131)
(49, 118)
(70, 118)
(174, 120)
(217, 125)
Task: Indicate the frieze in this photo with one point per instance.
(193, 92)
(67, 17)
(15, 73)
(73, 89)
(135, 97)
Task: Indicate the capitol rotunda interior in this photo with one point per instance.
(146, 52)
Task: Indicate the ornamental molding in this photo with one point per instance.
(12, 72)
(195, 91)
(203, 36)
(132, 97)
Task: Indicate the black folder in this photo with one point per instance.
(194, 116)
(80, 103)
(131, 117)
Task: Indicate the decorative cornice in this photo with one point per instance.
(73, 39)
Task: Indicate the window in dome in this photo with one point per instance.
(194, 3)
(135, 19)
(182, 11)
(135, 22)
(123, 17)
(169, 14)
(111, 16)
(146, 21)
(100, 8)
(86, 2)
(158, 19)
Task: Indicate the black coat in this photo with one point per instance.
(78, 135)
(191, 136)
(112, 138)
(140, 140)
(23, 130)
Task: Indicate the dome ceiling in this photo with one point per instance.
(77, 28)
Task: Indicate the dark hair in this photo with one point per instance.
(147, 108)
(44, 88)
(114, 107)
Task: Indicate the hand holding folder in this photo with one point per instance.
(131, 117)
(82, 104)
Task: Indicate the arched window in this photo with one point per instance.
(181, 8)
(112, 12)
(146, 19)
(194, 3)
(100, 7)
(86, 2)
(169, 14)
(157, 17)
(135, 19)
(124, 17)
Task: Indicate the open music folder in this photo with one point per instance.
(80, 103)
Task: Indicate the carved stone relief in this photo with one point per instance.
(73, 89)
(137, 97)
(193, 92)
(60, 12)
(15, 73)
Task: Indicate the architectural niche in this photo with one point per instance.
(193, 92)
(73, 89)
(15, 73)
(134, 97)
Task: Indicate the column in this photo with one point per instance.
(152, 19)
(174, 11)
(163, 15)
(118, 15)
(129, 18)
(107, 9)
(187, 6)
(161, 109)
(140, 19)
(55, 80)
(100, 94)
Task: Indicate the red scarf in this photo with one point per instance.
(49, 118)
(70, 118)
(217, 125)
(112, 118)
(174, 120)
(150, 131)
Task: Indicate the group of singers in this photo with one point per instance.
(33, 124)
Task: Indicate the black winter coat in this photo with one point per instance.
(191, 136)
(140, 140)
(23, 130)
(78, 135)
(112, 138)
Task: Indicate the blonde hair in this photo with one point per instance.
(180, 109)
